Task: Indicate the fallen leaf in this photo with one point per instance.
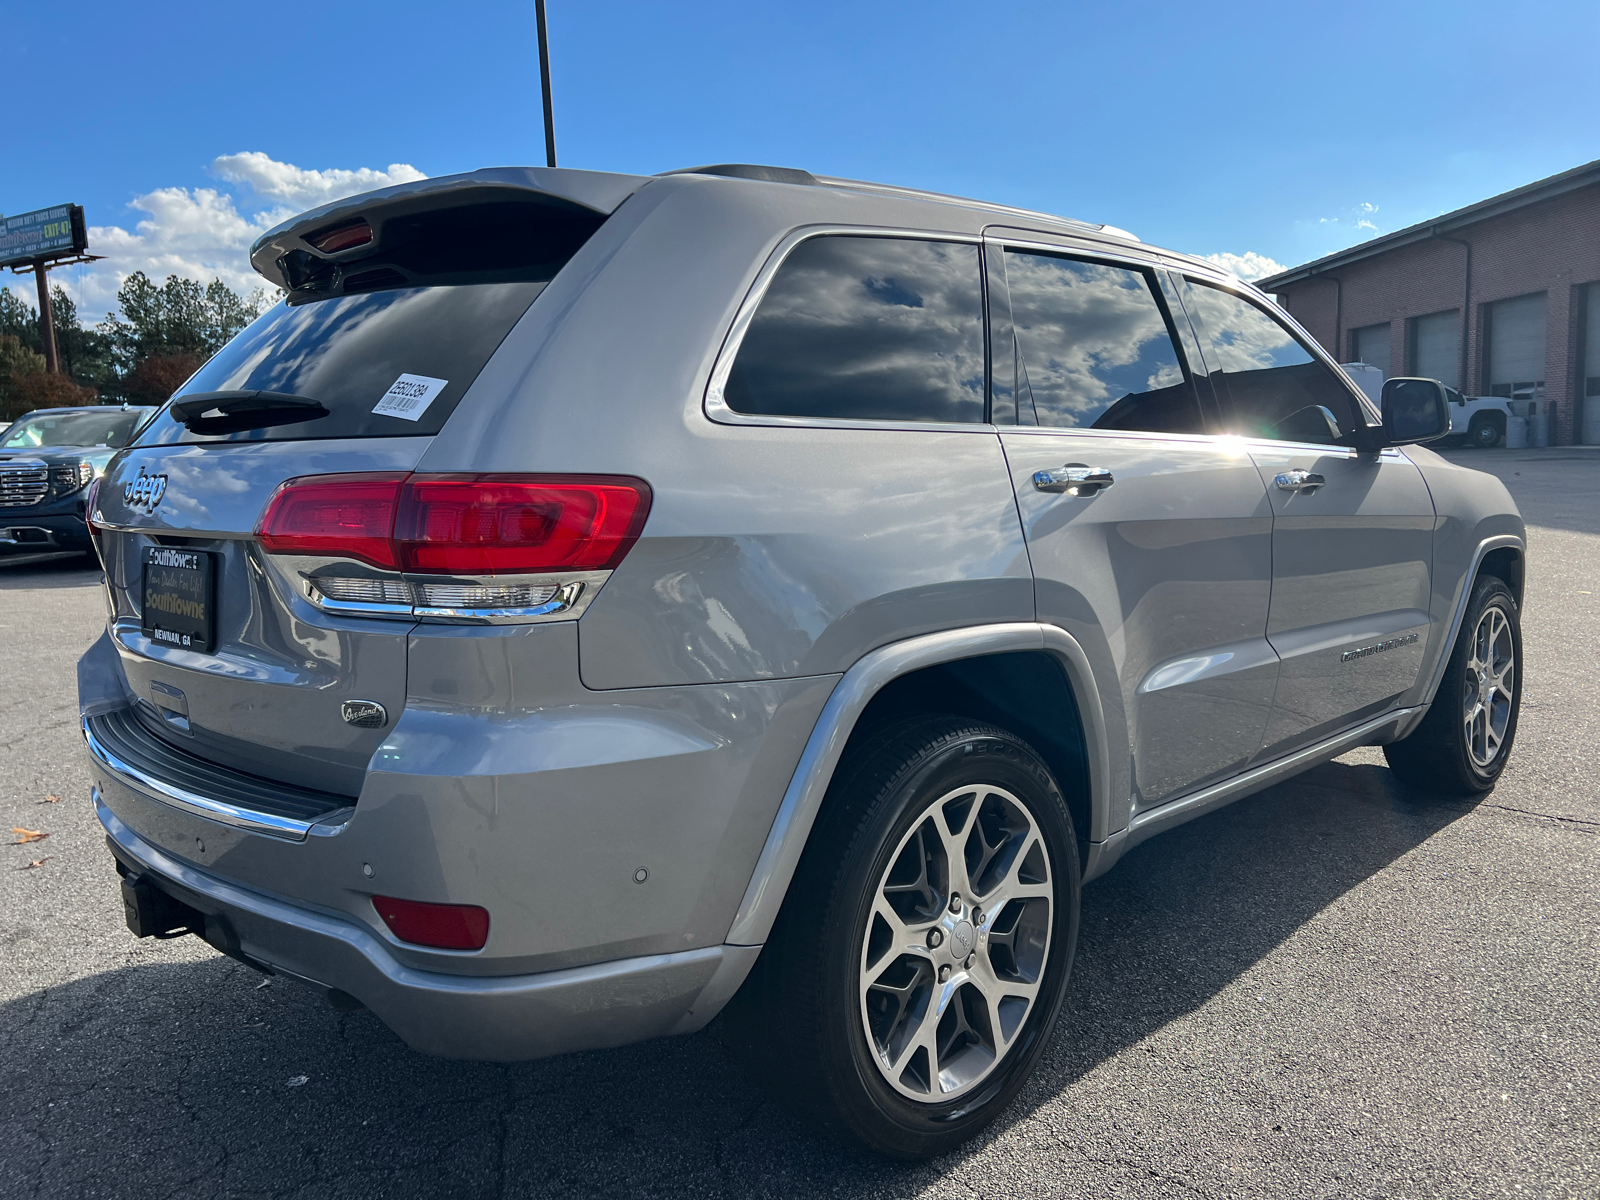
(27, 835)
(38, 862)
(52, 798)
(299, 1081)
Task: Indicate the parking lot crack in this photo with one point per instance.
(1151, 1172)
(1584, 825)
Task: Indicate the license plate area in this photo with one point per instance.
(178, 606)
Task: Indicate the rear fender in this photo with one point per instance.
(802, 801)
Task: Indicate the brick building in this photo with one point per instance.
(1500, 298)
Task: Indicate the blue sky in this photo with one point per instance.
(1277, 129)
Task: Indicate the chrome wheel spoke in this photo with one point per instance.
(1489, 687)
(896, 1004)
(1007, 1002)
(944, 991)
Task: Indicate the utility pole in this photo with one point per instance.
(47, 320)
(544, 78)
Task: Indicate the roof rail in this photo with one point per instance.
(752, 171)
(893, 189)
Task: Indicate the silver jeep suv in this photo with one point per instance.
(589, 600)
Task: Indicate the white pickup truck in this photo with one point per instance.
(1480, 420)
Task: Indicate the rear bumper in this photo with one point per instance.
(500, 1018)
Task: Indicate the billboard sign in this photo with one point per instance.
(44, 233)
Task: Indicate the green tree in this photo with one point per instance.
(84, 353)
(24, 384)
(156, 337)
(19, 319)
(160, 334)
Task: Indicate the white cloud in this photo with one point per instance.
(205, 233)
(1248, 266)
(300, 188)
(1357, 218)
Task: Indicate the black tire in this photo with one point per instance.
(803, 1017)
(1484, 433)
(1448, 755)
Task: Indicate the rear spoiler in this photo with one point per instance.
(593, 192)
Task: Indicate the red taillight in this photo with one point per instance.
(343, 516)
(460, 524)
(341, 237)
(443, 926)
(89, 498)
(519, 524)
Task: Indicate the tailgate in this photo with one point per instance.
(268, 697)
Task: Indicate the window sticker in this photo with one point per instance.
(409, 396)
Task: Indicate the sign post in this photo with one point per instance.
(36, 241)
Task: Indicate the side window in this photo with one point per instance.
(884, 329)
(1096, 351)
(1268, 385)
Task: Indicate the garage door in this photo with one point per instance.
(1372, 347)
(1516, 347)
(1436, 346)
(1590, 389)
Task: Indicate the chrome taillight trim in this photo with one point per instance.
(568, 593)
(566, 597)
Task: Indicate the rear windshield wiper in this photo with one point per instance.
(230, 412)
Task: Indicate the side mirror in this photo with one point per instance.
(1414, 410)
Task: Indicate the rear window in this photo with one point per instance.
(412, 352)
(866, 328)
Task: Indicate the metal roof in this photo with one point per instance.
(1532, 193)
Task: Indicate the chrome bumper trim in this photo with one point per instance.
(216, 810)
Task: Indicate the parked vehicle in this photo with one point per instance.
(1481, 420)
(590, 597)
(1478, 420)
(47, 459)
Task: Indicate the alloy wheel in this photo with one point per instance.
(1488, 686)
(956, 942)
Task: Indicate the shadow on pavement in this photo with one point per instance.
(187, 1078)
(19, 572)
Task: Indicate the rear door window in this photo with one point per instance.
(1095, 349)
(866, 328)
(348, 352)
(1268, 385)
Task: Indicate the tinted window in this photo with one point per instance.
(1095, 347)
(885, 329)
(347, 351)
(1268, 385)
(110, 428)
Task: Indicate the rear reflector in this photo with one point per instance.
(460, 524)
(442, 926)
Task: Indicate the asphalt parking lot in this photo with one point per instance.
(1329, 989)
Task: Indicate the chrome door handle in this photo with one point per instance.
(1074, 479)
(1298, 480)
